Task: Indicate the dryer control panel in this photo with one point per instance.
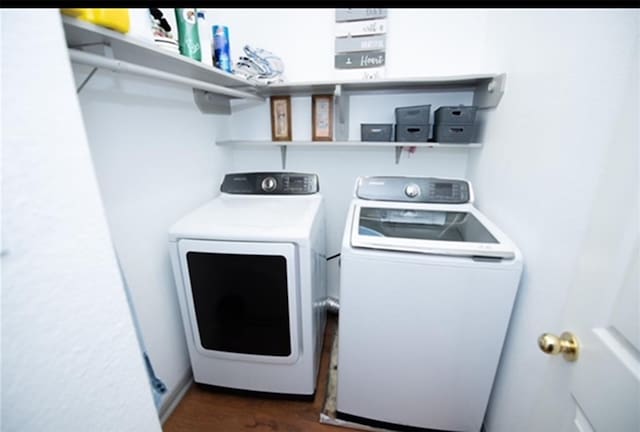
(414, 189)
(270, 183)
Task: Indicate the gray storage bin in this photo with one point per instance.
(412, 133)
(413, 115)
(376, 132)
(454, 133)
(455, 115)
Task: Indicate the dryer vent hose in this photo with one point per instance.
(332, 304)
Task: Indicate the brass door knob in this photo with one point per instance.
(567, 344)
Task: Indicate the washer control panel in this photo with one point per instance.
(270, 183)
(414, 189)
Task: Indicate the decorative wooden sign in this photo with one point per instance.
(281, 118)
(322, 117)
(360, 42)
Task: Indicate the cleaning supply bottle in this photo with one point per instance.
(221, 50)
(115, 19)
(205, 39)
(188, 36)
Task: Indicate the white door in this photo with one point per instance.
(604, 303)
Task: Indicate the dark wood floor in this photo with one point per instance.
(207, 410)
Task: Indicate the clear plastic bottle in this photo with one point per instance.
(188, 36)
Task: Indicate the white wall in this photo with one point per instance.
(70, 358)
(420, 42)
(155, 158)
(568, 75)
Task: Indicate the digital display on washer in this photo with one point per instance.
(444, 189)
(423, 225)
(296, 182)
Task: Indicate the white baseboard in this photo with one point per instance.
(171, 401)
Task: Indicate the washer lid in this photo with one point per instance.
(251, 217)
(459, 230)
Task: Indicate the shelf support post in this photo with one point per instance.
(341, 116)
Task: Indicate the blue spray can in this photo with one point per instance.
(221, 52)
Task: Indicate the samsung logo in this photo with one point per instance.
(239, 179)
(376, 183)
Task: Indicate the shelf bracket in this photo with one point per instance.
(283, 156)
(86, 80)
(209, 103)
(488, 93)
(341, 117)
(398, 153)
(98, 48)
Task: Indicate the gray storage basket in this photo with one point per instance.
(455, 115)
(412, 133)
(376, 132)
(413, 115)
(454, 133)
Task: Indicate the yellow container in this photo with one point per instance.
(116, 19)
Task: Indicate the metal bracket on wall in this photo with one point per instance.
(101, 48)
(283, 156)
(209, 103)
(489, 93)
(86, 80)
(398, 153)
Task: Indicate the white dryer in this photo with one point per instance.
(427, 288)
(250, 273)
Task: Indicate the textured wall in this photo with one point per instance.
(70, 357)
(155, 158)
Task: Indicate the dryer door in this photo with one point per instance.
(242, 299)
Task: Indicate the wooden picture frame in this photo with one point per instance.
(322, 117)
(281, 118)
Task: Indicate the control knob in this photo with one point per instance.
(269, 184)
(412, 190)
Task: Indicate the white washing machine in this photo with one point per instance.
(427, 288)
(250, 276)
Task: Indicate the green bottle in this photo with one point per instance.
(188, 36)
